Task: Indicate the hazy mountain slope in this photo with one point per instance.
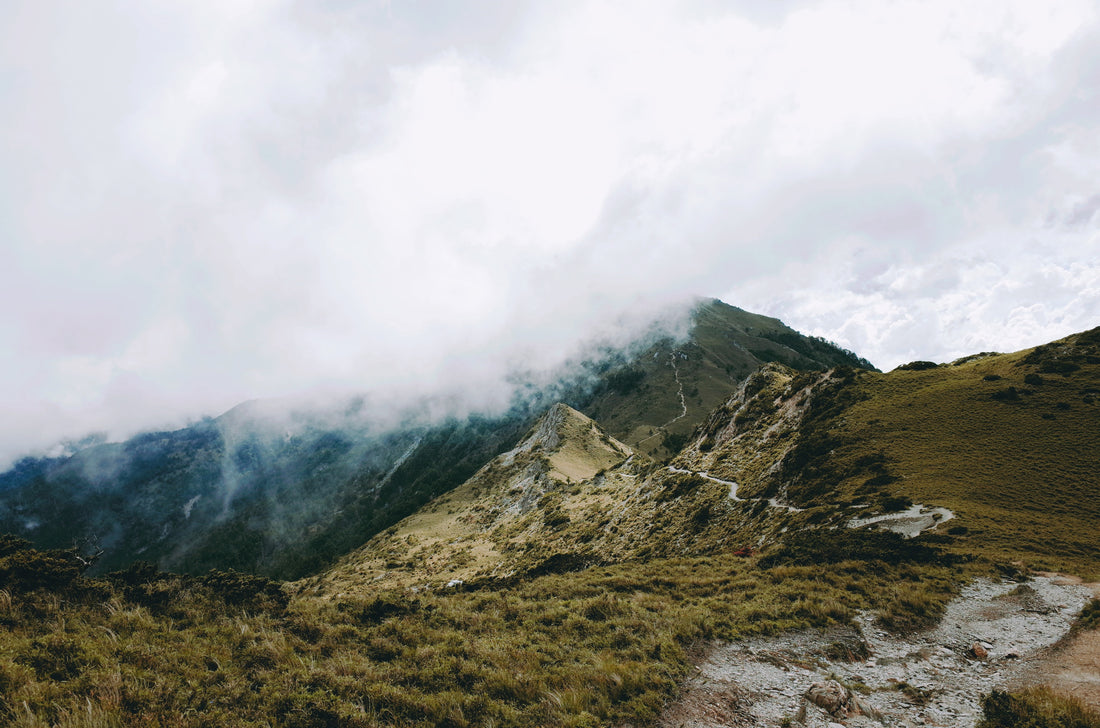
(207, 495)
(597, 577)
(285, 494)
(489, 526)
(567, 497)
(790, 452)
(657, 399)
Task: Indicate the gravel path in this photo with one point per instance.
(933, 678)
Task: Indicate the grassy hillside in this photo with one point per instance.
(1009, 442)
(287, 493)
(606, 646)
(511, 517)
(590, 573)
(654, 402)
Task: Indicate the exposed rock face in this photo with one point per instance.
(839, 701)
(830, 696)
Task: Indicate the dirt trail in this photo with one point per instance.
(683, 402)
(733, 486)
(1072, 666)
(929, 679)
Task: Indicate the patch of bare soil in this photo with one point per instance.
(994, 634)
(1072, 665)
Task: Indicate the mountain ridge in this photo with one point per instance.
(287, 495)
(603, 586)
(792, 451)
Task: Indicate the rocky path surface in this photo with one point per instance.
(679, 392)
(909, 522)
(773, 502)
(1074, 667)
(992, 635)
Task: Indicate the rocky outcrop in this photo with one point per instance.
(838, 701)
(929, 678)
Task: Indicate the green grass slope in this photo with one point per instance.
(1009, 442)
(655, 401)
(605, 646)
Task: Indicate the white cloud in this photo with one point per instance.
(217, 201)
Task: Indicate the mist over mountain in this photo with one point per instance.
(284, 488)
(825, 525)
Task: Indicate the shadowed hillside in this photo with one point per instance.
(285, 494)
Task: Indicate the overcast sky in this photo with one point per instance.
(209, 201)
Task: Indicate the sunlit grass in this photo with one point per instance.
(604, 646)
(1021, 476)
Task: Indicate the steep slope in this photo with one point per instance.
(286, 493)
(489, 526)
(567, 497)
(601, 584)
(237, 492)
(941, 450)
(1010, 443)
(654, 401)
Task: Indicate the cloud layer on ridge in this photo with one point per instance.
(221, 201)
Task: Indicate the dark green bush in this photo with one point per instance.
(895, 503)
(1058, 367)
(1035, 708)
(807, 548)
(1089, 617)
(54, 657)
(248, 591)
(918, 366)
(24, 568)
(1008, 394)
(380, 608)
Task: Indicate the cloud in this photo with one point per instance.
(219, 201)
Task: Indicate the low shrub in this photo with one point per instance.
(1037, 707)
(54, 657)
(248, 591)
(1058, 367)
(808, 548)
(1090, 616)
(918, 366)
(23, 568)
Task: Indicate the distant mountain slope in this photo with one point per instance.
(1002, 451)
(653, 402)
(1009, 442)
(490, 525)
(285, 494)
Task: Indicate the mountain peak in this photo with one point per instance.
(574, 445)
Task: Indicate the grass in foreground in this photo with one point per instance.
(1035, 708)
(604, 646)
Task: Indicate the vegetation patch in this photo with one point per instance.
(805, 548)
(1089, 619)
(607, 645)
(1037, 707)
